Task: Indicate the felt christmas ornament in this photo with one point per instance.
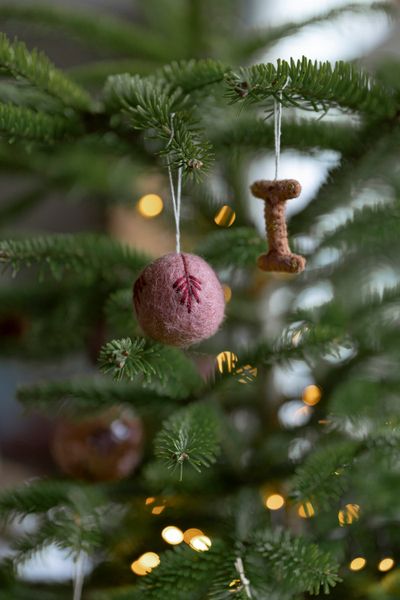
(105, 448)
(179, 300)
(275, 194)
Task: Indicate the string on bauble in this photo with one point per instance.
(178, 298)
(275, 193)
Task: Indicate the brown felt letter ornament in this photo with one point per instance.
(275, 194)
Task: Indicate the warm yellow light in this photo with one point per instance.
(247, 374)
(149, 560)
(386, 564)
(191, 533)
(138, 569)
(312, 395)
(357, 563)
(226, 361)
(227, 292)
(200, 543)
(150, 205)
(306, 510)
(150, 500)
(172, 535)
(225, 217)
(274, 502)
(349, 514)
(157, 510)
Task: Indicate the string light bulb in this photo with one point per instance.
(150, 205)
(357, 563)
(386, 564)
(227, 292)
(200, 543)
(189, 534)
(172, 535)
(349, 514)
(312, 395)
(274, 501)
(226, 361)
(149, 560)
(139, 569)
(306, 510)
(225, 216)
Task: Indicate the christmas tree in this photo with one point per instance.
(261, 462)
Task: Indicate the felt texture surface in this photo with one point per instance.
(179, 300)
(275, 194)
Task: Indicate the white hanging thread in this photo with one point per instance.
(245, 582)
(79, 576)
(277, 131)
(176, 196)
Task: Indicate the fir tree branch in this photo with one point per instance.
(312, 86)
(238, 246)
(22, 122)
(153, 106)
(190, 435)
(251, 133)
(193, 75)
(167, 369)
(324, 476)
(36, 68)
(32, 498)
(88, 255)
(183, 573)
(297, 564)
(92, 28)
(85, 396)
(127, 358)
(261, 39)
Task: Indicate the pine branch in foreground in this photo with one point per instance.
(313, 86)
(86, 396)
(262, 39)
(88, 255)
(191, 435)
(168, 370)
(152, 105)
(22, 122)
(36, 68)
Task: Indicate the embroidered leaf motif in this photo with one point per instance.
(140, 283)
(189, 288)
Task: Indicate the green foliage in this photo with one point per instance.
(248, 133)
(127, 358)
(195, 573)
(301, 566)
(261, 39)
(238, 246)
(324, 476)
(193, 75)
(91, 27)
(85, 254)
(153, 106)
(167, 369)
(69, 515)
(38, 70)
(312, 86)
(21, 122)
(87, 396)
(191, 435)
(33, 498)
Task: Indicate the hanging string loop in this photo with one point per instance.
(176, 195)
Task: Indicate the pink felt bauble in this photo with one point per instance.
(179, 300)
